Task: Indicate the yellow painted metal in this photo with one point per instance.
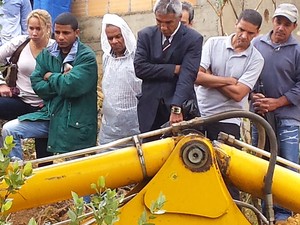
(121, 167)
(193, 198)
(247, 173)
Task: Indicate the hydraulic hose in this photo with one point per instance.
(262, 124)
(177, 128)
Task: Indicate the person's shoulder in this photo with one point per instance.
(293, 41)
(258, 39)
(256, 53)
(19, 39)
(297, 48)
(217, 40)
(148, 30)
(15, 42)
(83, 45)
(85, 49)
(191, 31)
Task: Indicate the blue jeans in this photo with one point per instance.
(11, 108)
(287, 133)
(24, 129)
(288, 136)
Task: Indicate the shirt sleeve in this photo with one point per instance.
(252, 70)
(25, 10)
(206, 52)
(10, 47)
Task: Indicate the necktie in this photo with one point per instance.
(166, 45)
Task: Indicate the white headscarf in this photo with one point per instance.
(129, 38)
(119, 85)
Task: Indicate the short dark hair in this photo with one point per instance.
(190, 9)
(67, 18)
(251, 16)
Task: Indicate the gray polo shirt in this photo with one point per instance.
(218, 55)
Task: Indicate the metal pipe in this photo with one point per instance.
(230, 139)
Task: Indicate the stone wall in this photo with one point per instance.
(138, 14)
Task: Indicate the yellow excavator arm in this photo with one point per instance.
(187, 168)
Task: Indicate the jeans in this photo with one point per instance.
(11, 108)
(288, 136)
(24, 129)
(287, 133)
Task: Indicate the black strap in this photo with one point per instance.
(15, 56)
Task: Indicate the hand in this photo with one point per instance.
(47, 75)
(231, 81)
(255, 96)
(5, 91)
(67, 68)
(177, 70)
(176, 118)
(264, 105)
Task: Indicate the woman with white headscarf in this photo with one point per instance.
(119, 84)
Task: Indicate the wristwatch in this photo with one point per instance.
(176, 110)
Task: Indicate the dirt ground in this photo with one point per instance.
(48, 214)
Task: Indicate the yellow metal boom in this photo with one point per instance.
(185, 169)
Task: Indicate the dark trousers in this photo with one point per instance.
(162, 117)
(213, 129)
(11, 108)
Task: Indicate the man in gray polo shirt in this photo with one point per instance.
(280, 79)
(229, 69)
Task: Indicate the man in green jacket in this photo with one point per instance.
(65, 77)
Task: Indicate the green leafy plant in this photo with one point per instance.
(76, 212)
(104, 205)
(156, 208)
(14, 175)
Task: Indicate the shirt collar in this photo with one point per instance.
(267, 39)
(228, 42)
(172, 35)
(246, 52)
(113, 54)
(55, 51)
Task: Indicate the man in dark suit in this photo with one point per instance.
(167, 60)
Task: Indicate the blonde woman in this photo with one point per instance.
(12, 105)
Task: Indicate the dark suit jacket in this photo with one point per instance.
(160, 84)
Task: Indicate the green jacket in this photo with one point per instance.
(70, 100)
